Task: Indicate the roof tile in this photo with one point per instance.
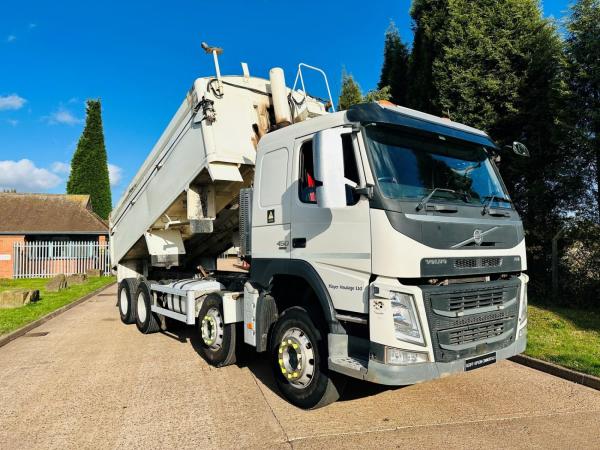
(48, 213)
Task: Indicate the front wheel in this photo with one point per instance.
(299, 354)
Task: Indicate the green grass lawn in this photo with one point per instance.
(11, 319)
(568, 337)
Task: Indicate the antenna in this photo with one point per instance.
(215, 52)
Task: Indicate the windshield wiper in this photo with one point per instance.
(425, 199)
(486, 207)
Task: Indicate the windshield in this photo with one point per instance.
(411, 167)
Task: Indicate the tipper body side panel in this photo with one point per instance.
(209, 148)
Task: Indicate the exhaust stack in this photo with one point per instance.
(283, 115)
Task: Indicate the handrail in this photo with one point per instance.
(299, 75)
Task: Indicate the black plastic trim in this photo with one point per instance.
(443, 233)
(262, 271)
(374, 113)
(440, 326)
(266, 315)
(450, 267)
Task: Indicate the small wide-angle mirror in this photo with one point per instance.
(329, 168)
(520, 149)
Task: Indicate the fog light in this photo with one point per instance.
(403, 357)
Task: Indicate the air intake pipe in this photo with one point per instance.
(283, 115)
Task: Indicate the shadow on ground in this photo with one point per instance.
(260, 367)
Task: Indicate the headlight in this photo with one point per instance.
(406, 322)
(523, 309)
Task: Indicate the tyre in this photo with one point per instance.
(127, 288)
(217, 339)
(147, 321)
(299, 354)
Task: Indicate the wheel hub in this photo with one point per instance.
(296, 358)
(123, 302)
(141, 308)
(212, 329)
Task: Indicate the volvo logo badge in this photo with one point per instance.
(477, 237)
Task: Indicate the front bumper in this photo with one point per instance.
(393, 375)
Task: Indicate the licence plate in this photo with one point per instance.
(480, 361)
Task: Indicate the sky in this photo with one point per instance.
(140, 59)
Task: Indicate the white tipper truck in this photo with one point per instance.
(381, 241)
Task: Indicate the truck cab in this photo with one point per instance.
(398, 228)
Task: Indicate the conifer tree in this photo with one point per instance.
(429, 17)
(378, 94)
(394, 71)
(583, 53)
(499, 66)
(89, 168)
(350, 93)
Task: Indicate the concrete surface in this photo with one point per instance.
(92, 382)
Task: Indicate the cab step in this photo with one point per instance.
(349, 365)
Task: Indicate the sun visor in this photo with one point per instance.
(375, 113)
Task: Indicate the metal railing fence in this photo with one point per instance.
(45, 259)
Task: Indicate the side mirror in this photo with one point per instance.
(328, 157)
(520, 149)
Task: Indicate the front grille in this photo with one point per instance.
(473, 298)
(463, 302)
(469, 319)
(475, 333)
(477, 263)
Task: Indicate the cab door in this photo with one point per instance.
(271, 207)
(335, 242)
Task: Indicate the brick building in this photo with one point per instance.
(55, 220)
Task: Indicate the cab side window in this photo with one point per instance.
(350, 166)
(307, 186)
(307, 189)
(350, 169)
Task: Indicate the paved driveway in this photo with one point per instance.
(91, 382)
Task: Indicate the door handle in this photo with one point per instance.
(299, 243)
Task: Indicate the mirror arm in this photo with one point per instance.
(367, 191)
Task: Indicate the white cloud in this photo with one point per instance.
(12, 122)
(63, 116)
(32, 25)
(24, 176)
(60, 167)
(115, 174)
(12, 101)
(11, 38)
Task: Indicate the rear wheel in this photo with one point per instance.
(126, 292)
(217, 339)
(299, 355)
(147, 321)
